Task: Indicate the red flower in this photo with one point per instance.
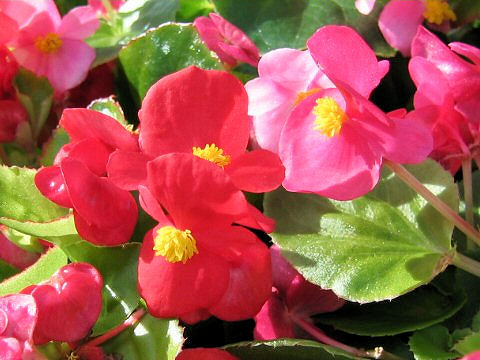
(69, 303)
(195, 263)
(292, 297)
(13, 254)
(229, 42)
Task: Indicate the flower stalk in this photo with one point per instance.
(468, 196)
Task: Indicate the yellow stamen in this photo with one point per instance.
(437, 11)
(304, 94)
(212, 153)
(329, 116)
(175, 245)
(49, 43)
(72, 356)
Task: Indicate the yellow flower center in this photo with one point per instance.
(304, 94)
(329, 116)
(212, 153)
(49, 43)
(437, 11)
(175, 245)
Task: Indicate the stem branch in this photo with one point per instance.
(438, 204)
(465, 263)
(468, 195)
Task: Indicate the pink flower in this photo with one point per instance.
(194, 263)
(98, 6)
(472, 356)
(447, 96)
(51, 46)
(229, 42)
(68, 303)
(104, 214)
(399, 20)
(18, 317)
(13, 254)
(292, 297)
(205, 354)
(334, 141)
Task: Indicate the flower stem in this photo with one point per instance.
(132, 320)
(319, 335)
(468, 195)
(438, 204)
(465, 263)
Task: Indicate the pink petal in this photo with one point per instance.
(11, 348)
(50, 183)
(342, 167)
(79, 23)
(209, 33)
(15, 255)
(265, 95)
(273, 321)
(104, 214)
(398, 23)
(240, 54)
(22, 316)
(8, 28)
(19, 11)
(127, 170)
(364, 7)
(69, 303)
(256, 171)
(469, 51)
(331, 45)
(69, 66)
(173, 289)
(41, 24)
(83, 123)
(195, 107)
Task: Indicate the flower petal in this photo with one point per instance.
(79, 23)
(127, 170)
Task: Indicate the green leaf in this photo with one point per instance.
(417, 310)
(45, 267)
(6, 270)
(60, 227)
(118, 266)
(133, 19)
(150, 339)
(286, 349)
(65, 6)
(432, 343)
(161, 51)
(468, 344)
(21, 201)
(26, 242)
(110, 107)
(53, 145)
(466, 10)
(274, 24)
(36, 95)
(367, 249)
(191, 9)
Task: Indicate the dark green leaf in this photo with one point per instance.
(367, 249)
(468, 344)
(161, 51)
(110, 107)
(432, 343)
(417, 310)
(151, 339)
(286, 349)
(6, 270)
(273, 24)
(466, 10)
(52, 146)
(65, 6)
(35, 94)
(45, 267)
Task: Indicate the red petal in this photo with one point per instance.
(205, 354)
(128, 170)
(50, 182)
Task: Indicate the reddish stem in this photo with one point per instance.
(132, 320)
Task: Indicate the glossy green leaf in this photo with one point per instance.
(286, 349)
(150, 339)
(36, 95)
(274, 24)
(53, 145)
(45, 267)
(191, 9)
(367, 249)
(432, 343)
(110, 107)
(21, 201)
(161, 51)
(118, 266)
(60, 227)
(417, 310)
(468, 344)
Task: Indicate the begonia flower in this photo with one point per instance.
(400, 19)
(286, 77)
(205, 354)
(292, 297)
(104, 214)
(334, 141)
(194, 263)
(229, 42)
(18, 317)
(68, 303)
(447, 97)
(472, 356)
(365, 7)
(51, 46)
(98, 6)
(13, 254)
